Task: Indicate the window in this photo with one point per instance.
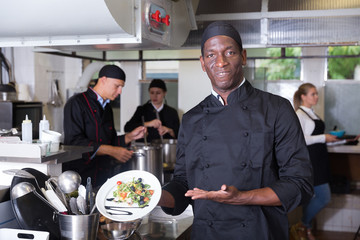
(282, 63)
(343, 63)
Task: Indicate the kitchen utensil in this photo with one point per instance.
(73, 206)
(89, 194)
(148, 158)
(168, 151)
(143, 123)
(158, 117)
(55, 99)
(30, 211)
(93, 209)
(52, 185)
(55, 200)
(78, 227)
(120, 230)
(82, 191)
(81, 204)
(69, 181)
(21, 173)
(24, 188)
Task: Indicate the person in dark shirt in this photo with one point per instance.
(89, 121)
(159, 118)
(241, 160)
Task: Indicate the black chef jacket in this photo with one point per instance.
(255, 141)
(168, 117)
(86, 123)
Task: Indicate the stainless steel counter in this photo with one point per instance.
(162, 226)
(158, 225)
(50, 164)
(65, 154)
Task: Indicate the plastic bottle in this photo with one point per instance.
(26, 130)
(43, 125)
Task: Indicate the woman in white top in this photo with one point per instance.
(313, 128)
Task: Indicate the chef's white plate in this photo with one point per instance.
(107, 189)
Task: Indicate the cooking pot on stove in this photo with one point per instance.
(7, 92)
(147, 158)
(168, 150)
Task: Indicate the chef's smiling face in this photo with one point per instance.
(223, 61)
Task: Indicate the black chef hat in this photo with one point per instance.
(112, 71)
(158, 83)
(220, 28)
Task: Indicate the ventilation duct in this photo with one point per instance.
(96, 24)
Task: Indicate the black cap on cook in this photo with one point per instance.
(112, 71)
(158, 83)
(220, 28)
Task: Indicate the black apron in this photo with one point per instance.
(319, 155)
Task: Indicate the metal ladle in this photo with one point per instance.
(69, 181)
(23, 188)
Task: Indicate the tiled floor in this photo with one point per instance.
(341, 215)
(327, 235)
(338, 221)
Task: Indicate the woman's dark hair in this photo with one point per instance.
(302, 90)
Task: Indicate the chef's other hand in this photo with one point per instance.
(119, 153)
(122, 154)
(227, 194)
(135, 134)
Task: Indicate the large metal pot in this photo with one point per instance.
(148, 158)
(169, 151)
(7, 93)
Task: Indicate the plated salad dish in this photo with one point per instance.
(134, 192)
(128, 196)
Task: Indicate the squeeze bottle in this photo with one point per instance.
(43, 125)
(26, 130)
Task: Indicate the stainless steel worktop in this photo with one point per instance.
(50, 164)
(65, 154)
(158, 225)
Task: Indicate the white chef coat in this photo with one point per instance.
(308, 126)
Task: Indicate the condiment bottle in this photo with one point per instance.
(26, 130)
(43, 125)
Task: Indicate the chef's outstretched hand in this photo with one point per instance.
(226, 194)
(135, 134)
(231, 195)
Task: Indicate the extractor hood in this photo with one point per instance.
(73, 25)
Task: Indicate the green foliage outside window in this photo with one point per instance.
(342, 68)
(279, 69)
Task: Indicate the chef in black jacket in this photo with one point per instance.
(168, 123)
(241, 157)
(88, 121)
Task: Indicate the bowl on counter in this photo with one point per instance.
(338, 133)
(51, 138)
(118, 230)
